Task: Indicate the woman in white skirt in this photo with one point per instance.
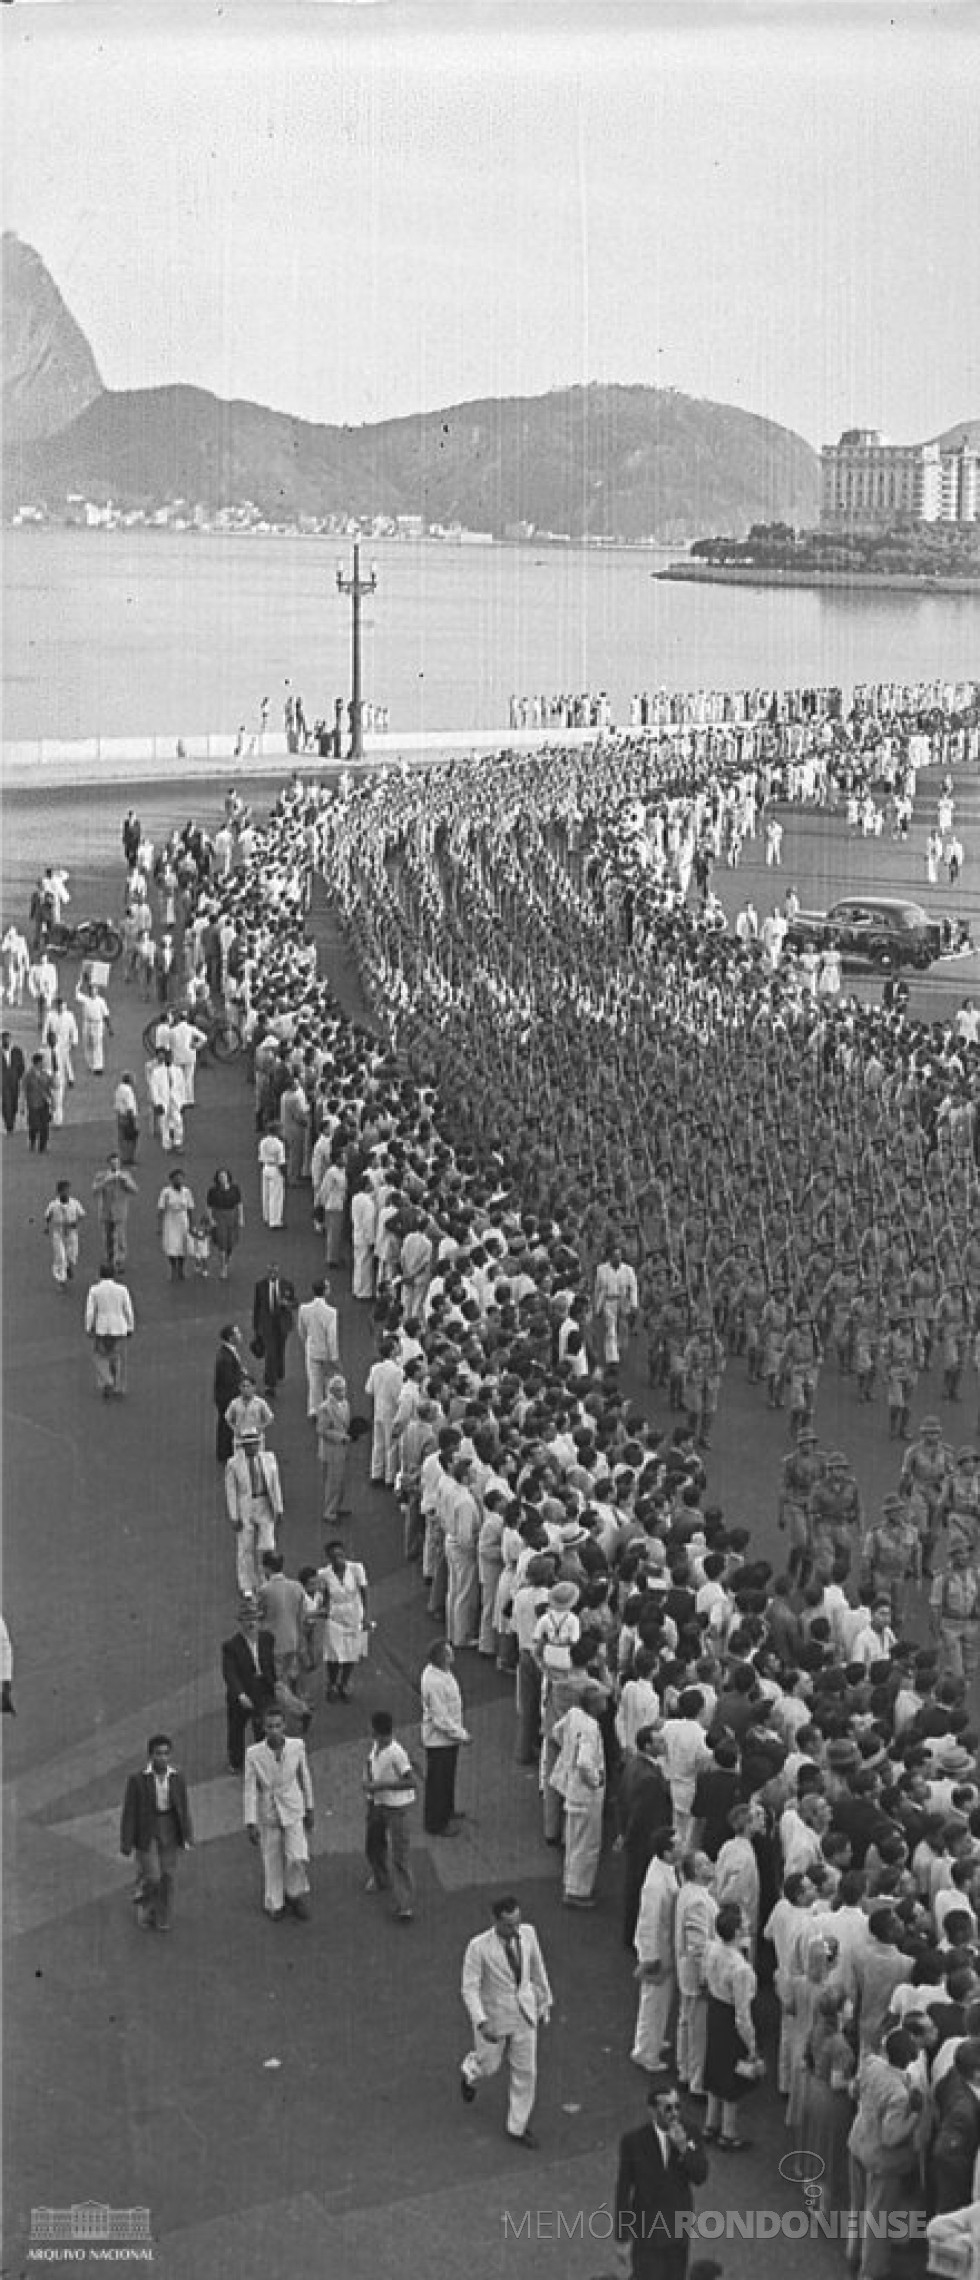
(272, 1160)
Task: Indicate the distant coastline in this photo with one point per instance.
(893, 581)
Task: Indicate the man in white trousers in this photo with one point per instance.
(654, 1944)
(507, 1993)
(278, 1811)
(316, 1325)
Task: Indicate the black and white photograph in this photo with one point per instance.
(490, 885)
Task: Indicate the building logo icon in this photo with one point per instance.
(90, 2220)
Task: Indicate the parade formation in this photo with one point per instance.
(597, 1154)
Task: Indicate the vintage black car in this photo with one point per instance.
(880, 931)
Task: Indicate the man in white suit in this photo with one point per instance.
(507, 1993)
(278, 1812)
(253, 1495)
(316, 1324)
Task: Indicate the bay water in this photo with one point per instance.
(112, 632)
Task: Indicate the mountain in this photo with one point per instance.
(601, 460)
(49, 372)
(581, 460)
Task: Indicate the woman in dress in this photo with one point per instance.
(343, 1597)
(730, 1984)
(175, 1206)
(227, 1208)
(332, 1443)
(827, 2110)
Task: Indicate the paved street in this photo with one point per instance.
(283, 2097)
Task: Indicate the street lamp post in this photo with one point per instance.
(356, 587)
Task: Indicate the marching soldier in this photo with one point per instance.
(898, 1356)
(955, 1603)
(927, 1467)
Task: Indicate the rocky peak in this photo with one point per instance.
(49, 372)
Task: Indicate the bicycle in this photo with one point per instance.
(223, 1037)
(93, 937)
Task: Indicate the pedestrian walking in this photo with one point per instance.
(96, 1025)
(175, 1208)
(126, 1110)
(38, 1100)
(278, 1812)
(389, 1784)
(12, 1079)
(166, 1101)
(61, 1039)
(507, 1994)
(332, 1444)
(113, 1188)
(62, 1220)
(444, 1734)
(273, 1305)
(228, 1374)
(16, 964)
(156, 1826)
(248, 1668)
(343, 1589)
(226, 1205)
(42, 983)
(253, 1499)
(109, 1322)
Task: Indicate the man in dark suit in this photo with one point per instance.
(248, 1667)
(658, 2166)
(13, 1078)
(957, 2140)
(156, 1825)
(228, 1372)
(272, 1319)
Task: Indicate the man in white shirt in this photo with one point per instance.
(109, 1321)
(876, 1641)
(389, 1786)
(316, 1326)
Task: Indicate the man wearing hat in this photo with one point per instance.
(927, 1466)
(899, 1364)
(835, 1516)
(658, 2165)
(955, 1602)
(802, 1469)
(248, 1668)
(893, 1560)
(253, 1497)
(959, 1506)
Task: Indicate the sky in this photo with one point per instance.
(353, 213)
